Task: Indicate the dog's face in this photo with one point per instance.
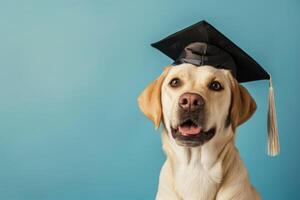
(196, 103)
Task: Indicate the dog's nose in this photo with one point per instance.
(191, 101)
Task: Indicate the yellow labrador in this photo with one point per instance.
(200, 108)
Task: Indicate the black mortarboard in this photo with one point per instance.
(202, 44)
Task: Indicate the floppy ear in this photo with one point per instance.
(150, 99)
(242, 104)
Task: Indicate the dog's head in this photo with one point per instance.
(196, 103)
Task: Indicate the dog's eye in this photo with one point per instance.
(175, 82)
(215, 85)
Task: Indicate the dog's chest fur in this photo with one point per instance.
(195, 178)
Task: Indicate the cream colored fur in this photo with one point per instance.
(214, 170)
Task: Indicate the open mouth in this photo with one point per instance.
(190, 133)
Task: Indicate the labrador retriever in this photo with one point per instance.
(200, 108)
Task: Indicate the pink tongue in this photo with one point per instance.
(189, 130)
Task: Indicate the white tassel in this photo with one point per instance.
(273, 139)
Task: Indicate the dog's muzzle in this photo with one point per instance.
(191, 131)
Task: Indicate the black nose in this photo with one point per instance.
(191, 101)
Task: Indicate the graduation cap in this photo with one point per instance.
(202, 44)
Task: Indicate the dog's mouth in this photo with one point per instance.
(190, 133)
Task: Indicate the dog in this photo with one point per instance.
(200, 109)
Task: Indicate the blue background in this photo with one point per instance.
(70, 73)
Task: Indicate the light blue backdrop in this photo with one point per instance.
(71, 72)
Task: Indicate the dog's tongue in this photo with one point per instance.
(189, 130)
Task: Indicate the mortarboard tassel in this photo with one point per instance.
(273, 139)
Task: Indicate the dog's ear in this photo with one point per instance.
(242, 104)
(150, 99)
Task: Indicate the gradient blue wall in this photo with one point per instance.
(70, 72)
